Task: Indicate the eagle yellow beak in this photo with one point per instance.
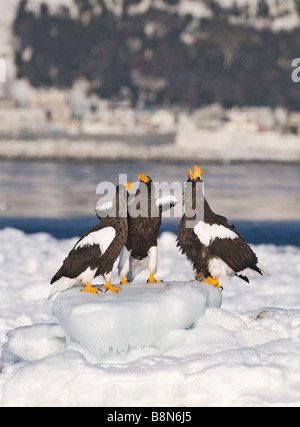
(129, 186)
(143, 178)
(197, 173)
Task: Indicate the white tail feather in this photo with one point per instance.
(263, 269)
(61, 285)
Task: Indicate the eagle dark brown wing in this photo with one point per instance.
(236, 253)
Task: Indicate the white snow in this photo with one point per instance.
(282, 14)
(53, 6)
(33, 342)
(245, 353)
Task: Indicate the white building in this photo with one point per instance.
(20, 121)
(250, 119)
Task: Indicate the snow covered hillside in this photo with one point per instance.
(274, 14)
(279, 14)
(150, 33)
(245, 353)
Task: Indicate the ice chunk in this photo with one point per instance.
(33, 342)
(137, 316)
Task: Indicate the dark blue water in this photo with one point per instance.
(255, 232)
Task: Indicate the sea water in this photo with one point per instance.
(59, 197)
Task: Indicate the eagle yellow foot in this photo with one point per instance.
(152, 279)
(123, 281)
(214, 282)
(89, 288)
(109, 287)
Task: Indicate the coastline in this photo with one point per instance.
(185, 145)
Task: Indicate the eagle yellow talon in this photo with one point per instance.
(152, 279)
(214, 282)
(89, 288)
(109, 286)
(123, 281)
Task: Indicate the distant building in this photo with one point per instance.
(22, 121)
(209, 117)
(251, 119)
(54, 104)
(6, 102)
(292, 124)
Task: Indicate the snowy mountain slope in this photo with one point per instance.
(281, 15)
(8, 10)
(273, 14)
(7, 15)
(245, 353)
(178, 25)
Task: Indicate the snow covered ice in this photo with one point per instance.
(137, 316)
(245, 353)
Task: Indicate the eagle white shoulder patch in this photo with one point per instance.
(103, 208)
(102, 237)
(166, 202)
(207, 233)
